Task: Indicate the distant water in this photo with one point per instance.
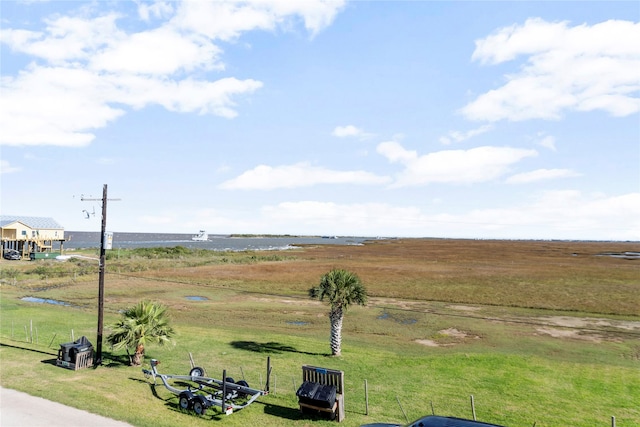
(44, 301)
(85, 239)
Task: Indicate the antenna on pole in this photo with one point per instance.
(98, 359)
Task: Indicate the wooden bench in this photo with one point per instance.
(326, 377)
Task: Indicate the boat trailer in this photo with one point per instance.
(203, 392)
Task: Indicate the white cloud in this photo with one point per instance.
(396, 153)
(59, 106)
(548, 142)
(563, 214)
(298, 175)
(161, 51)
(475, 165)
(457, 136)
(345, 218)
(227, 20)
(157, 9)
(5, 167)
(581, 68)
(344, 131)
(550, 215)
(53, 106)
(589, 214)
(350, 131)
(66, 39)
(541, 175)
(89, 70)
(317, 15)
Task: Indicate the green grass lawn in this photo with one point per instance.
(515, 381)
(414, 354)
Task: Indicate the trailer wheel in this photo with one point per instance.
(242, 383)
(199, 405)
(185, 400)
(197, 372)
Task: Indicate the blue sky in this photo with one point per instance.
(516, 120)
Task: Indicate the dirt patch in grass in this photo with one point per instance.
(447, 337)
(586, 329)
(397, 303)
(463, 308)
(571, 334)
(590, 322)
(429, 343)
(282, 300)
(454, 333)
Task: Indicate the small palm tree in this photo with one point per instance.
(340, 288)
(145, 322)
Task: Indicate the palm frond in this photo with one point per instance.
(141, 324)
(341, 288)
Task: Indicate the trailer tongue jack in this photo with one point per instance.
(203, 392)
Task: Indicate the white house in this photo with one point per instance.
(29, 234)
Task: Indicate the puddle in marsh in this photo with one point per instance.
(297, 323)
(623, 255)
(45, 301)
(196, 298)
(399, 319)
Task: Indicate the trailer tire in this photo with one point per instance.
(185, 400)
(242, 383)
(197, 372)
(199, 405)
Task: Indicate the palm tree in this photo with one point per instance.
(341, 288)
(145, 322)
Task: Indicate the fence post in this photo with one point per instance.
(473, 408)
(366, 397)
(266, 385)
(613, 421)
(54, 337)
(402, 409)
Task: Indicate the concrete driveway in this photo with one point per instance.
(18, 409)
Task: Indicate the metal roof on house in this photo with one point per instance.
(30, 221)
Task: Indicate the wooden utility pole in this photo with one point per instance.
(98, 359)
